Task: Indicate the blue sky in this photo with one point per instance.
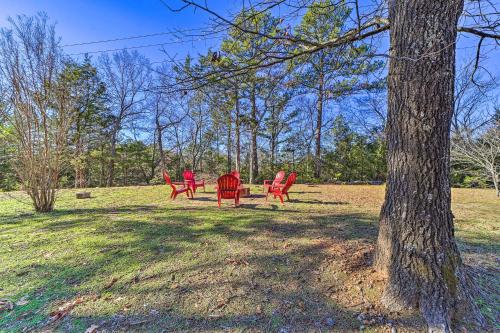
(90, 20)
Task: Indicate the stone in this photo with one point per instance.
(83, 195)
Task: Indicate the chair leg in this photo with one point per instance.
(175, 195)
(281, 198)
(187, 193)
(287, 197)
(192, 195)
(172, 194)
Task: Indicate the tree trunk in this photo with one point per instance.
(416, 246)
(494, 177)
(111, 166)
(103, 167)
(159, 140)
(237, 133)
(79, 169)
(254, 163)
(229, 142)
(319, 124)
(273, 152)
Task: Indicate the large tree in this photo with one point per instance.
(331, 73)
(127, 77)
(89, 114)
(241, 48)
(416, 246)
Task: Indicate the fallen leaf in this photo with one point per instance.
(92, 329)
(111, 283)
(64, 309)
(139, 322)
(6, 305)
(22, 301)
(221, 304)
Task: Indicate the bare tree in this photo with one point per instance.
(480, 154)
(473, 99)
(168, 111)
(127, 77)
(40, 105)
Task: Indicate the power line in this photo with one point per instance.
(131, 37)
(144, 46)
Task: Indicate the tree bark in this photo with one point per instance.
(416, 247)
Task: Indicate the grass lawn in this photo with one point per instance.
(129, 259)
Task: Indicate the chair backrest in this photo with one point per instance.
(188, 175)
(235, 173)
(279, 177)
(167, 179)
(289, 182)
(227, 185)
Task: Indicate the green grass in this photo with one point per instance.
(141, 262)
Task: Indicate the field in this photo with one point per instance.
(129, 259)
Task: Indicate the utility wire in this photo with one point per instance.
(144, 46)
(131, 37)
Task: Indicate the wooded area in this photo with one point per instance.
(321, 114)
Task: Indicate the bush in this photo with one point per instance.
(474, 182)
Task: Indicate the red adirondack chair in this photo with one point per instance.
(189, 177)
(277, 180)
(282, 189)
(175, 190)
(228, 188)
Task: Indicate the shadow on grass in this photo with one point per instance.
(214, 285)
(118, 243)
